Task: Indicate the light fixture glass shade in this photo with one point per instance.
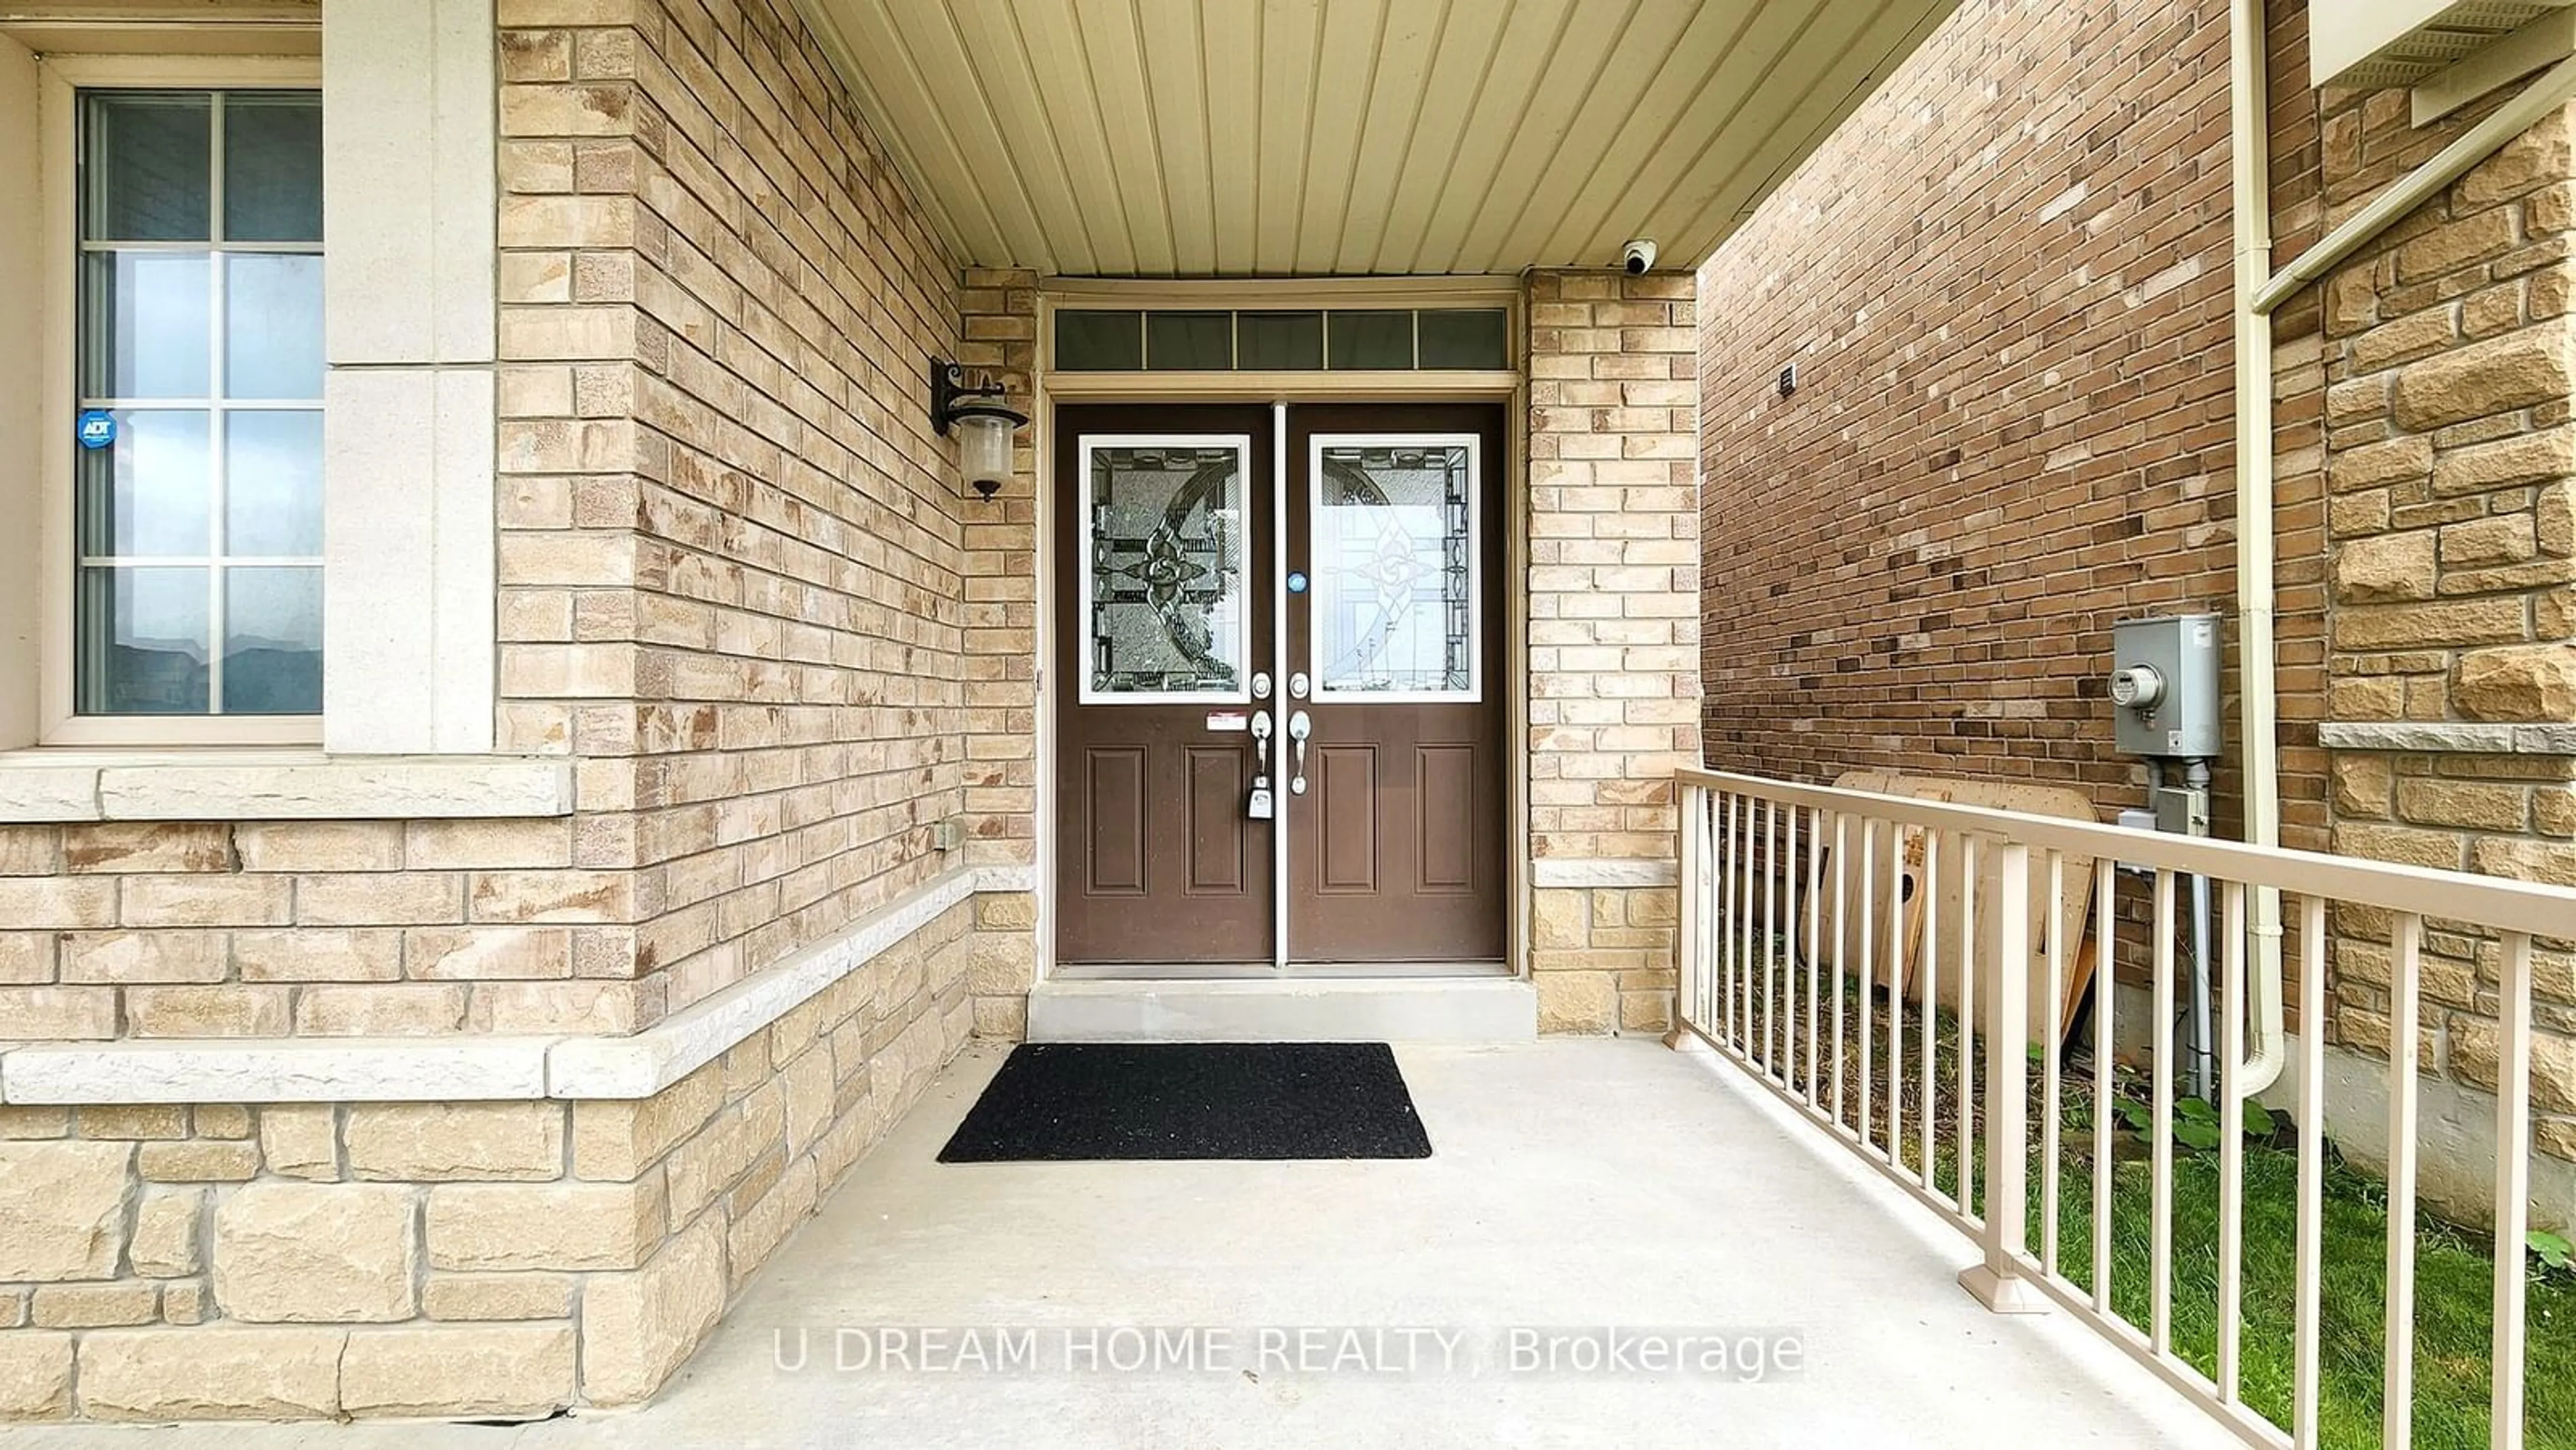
(983, 448)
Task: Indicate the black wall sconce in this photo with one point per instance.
(983, 426)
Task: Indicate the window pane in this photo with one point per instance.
(273, 483)
(149, 164)
(1372, 339)
(1394, 559)
(1111, 342)
(272, 167)
(272, 641)
(142, 641)
(273, 327)
(146, 493)
(1464, 339)
(1279, 341)
(1189, 341)
(148, 325)
(1168, 609)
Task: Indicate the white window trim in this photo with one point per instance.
(1477, 584)
(59, 79)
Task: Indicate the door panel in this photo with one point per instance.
(1164, 613)
(1445, 823)
(1396, 848)
(1217, 837)
(1345, 791)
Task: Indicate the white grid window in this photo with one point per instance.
(198, 517)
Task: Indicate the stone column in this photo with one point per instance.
(1613, 637)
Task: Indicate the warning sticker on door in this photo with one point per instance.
(1229, 720)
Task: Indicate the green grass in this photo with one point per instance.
(2454, 1285)
(2454, 1267)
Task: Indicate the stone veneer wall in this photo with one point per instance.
(2450, 357)
(1613, 513)
(314, 1260)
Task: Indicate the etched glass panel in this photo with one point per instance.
(1165, 575)
(1395, 568)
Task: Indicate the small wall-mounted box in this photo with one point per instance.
(2164, 686)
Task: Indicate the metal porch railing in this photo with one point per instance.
(1793, 896)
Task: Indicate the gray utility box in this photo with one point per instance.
(2164, 686)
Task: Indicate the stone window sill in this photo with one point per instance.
(268, 784)
(2448, 736)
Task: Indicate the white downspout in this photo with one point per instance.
(2258, 293)
(2249, 151)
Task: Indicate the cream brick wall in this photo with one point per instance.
(999, 311)
(733, 549)
(1613, 635)
(732, 560)
(441, 1259)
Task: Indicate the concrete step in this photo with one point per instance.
(1286, 1009)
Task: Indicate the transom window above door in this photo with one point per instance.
(1367, 339)
(197, 483)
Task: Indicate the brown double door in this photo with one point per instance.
(1280, 688)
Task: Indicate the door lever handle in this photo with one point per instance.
(1299, 727)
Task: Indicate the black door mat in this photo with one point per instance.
(1061, 1102)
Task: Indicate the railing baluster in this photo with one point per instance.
(2231, 1142)
(1789, 957)
(1711, 925)
(2106, 995)
(1744, 955)
(1842, 849)
(1815, 947)
(1770, 954)
(2513, 1185)
(2161, 1256)
(1968, 1013)
(2397, 1396)
(2054, 924)
(2307, 1314)
(1928, 1070)
(1868, 967)
(1896, 997)
(1729, 865)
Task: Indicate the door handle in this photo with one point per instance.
(1261, 745)
(1299, 727)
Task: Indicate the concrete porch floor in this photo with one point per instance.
(1573, 1183)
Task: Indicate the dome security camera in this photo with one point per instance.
(1638, 256)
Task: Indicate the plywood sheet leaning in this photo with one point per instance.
(2071, 902)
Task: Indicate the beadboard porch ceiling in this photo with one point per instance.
(1346, 137)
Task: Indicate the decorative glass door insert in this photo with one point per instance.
(1394, 555)
(1164, 570)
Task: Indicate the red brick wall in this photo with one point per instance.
(2005, 285)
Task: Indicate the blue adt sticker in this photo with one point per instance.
(97, 428)
(1296, 583)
